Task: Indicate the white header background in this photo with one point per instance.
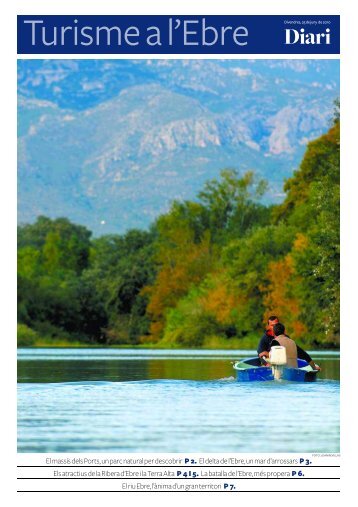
(349, 214)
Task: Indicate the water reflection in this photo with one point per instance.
(54, 365)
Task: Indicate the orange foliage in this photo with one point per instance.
(280, 297)
(300, 243)
(219, 301)
(184, 264)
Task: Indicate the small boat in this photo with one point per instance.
(251, 370)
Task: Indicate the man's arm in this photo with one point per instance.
(301, 354)
(264, 344)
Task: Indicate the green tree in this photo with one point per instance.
(232, 204)
(120, 266)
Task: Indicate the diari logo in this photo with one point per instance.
(300, 36)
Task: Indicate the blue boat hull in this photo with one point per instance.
(253, 371)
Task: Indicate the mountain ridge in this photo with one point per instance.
(113, 159)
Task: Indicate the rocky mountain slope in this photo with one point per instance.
(109, 143)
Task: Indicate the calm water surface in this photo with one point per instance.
(124, 400)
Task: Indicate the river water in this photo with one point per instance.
(139, 400)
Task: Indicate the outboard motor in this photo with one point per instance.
(278, 359)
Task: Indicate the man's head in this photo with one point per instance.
(278, 329)
(270, 323)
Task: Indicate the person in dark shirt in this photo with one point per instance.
(265, 344)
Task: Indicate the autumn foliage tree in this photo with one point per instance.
(280, 295)
(184, 258)
(190, 239)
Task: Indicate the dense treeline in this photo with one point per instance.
(207, 273)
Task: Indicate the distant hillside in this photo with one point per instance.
(109, 143)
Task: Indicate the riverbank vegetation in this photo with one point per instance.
(206, 274)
